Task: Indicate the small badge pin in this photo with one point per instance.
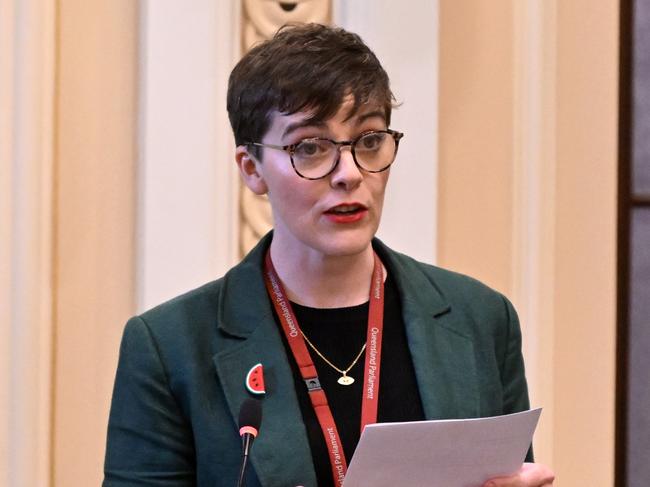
(255, 380)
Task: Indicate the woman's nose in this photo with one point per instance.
(347, 174)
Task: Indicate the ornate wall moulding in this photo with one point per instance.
(268, 16)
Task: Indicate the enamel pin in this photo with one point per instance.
(255, 380)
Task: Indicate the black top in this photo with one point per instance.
(339, 334)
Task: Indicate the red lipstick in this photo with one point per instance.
(346, 213)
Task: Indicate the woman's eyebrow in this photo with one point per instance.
(308, 122)
(376, 114)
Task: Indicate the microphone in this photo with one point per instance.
(250, 419)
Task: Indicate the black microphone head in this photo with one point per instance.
(250, 414)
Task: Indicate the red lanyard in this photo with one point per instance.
(370, 398)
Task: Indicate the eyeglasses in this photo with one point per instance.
(316, 157)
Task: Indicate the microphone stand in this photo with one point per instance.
(246, 443)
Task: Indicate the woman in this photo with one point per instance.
(378, 336)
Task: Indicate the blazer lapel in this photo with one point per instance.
(281, 453)
(444, 365)
(443, 358)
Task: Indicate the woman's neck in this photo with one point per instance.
(322, 281)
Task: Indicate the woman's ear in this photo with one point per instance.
(250, 170)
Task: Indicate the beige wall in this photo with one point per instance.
(586, 238)
(93, 225)
(528, 165)
(475, 133)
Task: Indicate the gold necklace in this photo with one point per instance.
(345, 379)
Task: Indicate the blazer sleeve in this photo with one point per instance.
(513, 375)
(150, 442)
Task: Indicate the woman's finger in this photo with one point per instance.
(529, 475)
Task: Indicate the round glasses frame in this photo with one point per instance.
(291, 150)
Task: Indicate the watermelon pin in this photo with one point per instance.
(255, 380)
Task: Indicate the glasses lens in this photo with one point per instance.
(375, 151)
(314, 158)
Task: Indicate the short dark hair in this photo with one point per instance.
(303, 67)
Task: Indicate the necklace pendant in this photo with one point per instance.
(345, 380)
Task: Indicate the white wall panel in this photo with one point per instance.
(405, 39)
(186, 203)
(26, 155)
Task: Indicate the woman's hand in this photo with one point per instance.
(529, 475)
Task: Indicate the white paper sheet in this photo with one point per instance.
(446, 453)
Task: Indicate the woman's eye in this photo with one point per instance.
(371, 141)
(310, 148)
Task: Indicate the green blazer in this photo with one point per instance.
(182, 365)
